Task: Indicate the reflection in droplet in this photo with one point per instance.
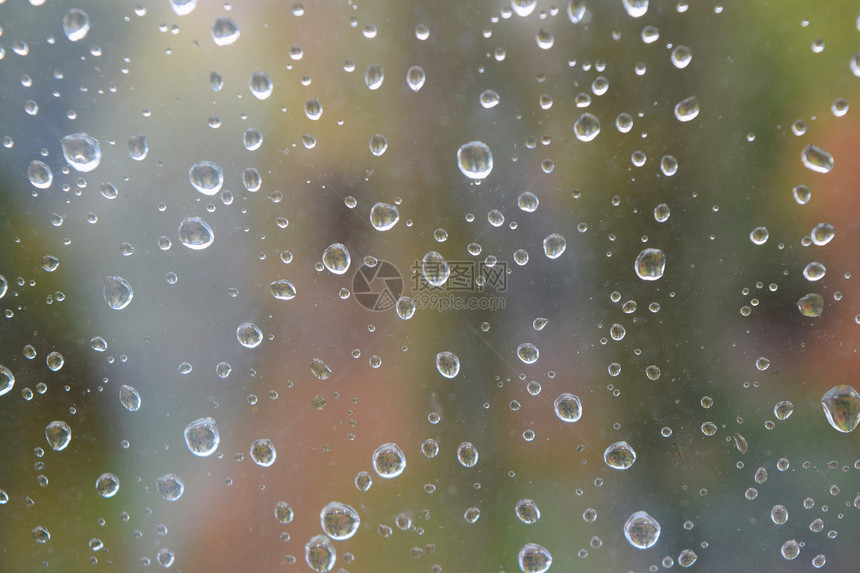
(260, 85)
(782, 410)
(790, 549)
(336, 258)
(339, 521)
(687, 109)
(587, 127)
(249, 335)
(225, 31)
(619, 456)
(7, 380)
(117, 292)
(528, 511)
(388, 460)
(183, 7)
(554, 245)
(779, 514)
(195, 233)
(107, 485)
(814, 271)
(435, 269)
(415, 78)
(374, 76)
(489, 99)
(822, 234)
(263, 452)
(282, 289)
(283, 512)
(40, 175)
(447, 364)
(642, 530)
(378, 144)
(58, 434)
(534, 559)
(81, 151)
(635, 8)
(842, 407)
(206, 177)
(650, 264)
(320, 554)
(384, 216)
(405, 307)
(467, 454)
(475, 160)
(138, 148)
(528, 353)
(568, 408)
(129, 398)
(811, 305)
(202, 437)
(170, 487)
(76, 25)
(816, 159)
(41, 534)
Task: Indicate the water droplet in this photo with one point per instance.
(819, 560)
(405, 307)
(447, 364)
(138, 148)
(472, 514)
(467, 454)
(475, 160)
(202, 437)
(534, 559)
(779, 514)
(283, 512)
(195, 233)
(842, 407)
(687, 109)
(822, 234)
(650, 264)
(320, 554)
(668, 165)
(249, 335)
(527, 510)
(687, 558)
(523, 8)
(129, 398)
(252, 180)
(709, 428)
(263, 452)
(107, 485)
(7, 380)
(636, 8)
(339, 521)
(489, 99)
(811, 305)
(816, 159)
(782, 410)
(225, 31)
(661, 213)
(40, 175)
(435, 269)
(313, 109)
(206, 177)
(76, 25)
(415, 78)
(374, 76)
(539, 323)
(82, 151)
(802, 194)
(619, 456)
(282, 289)
(568, 408)
(336, 258)
(50, 263)
(814, 271)
(554, 245)
(260, 85)
(642, 530)
(528, 353)
(384, 216)
(388, 460)
(170, 487)
(41, 534)
(378, 144)
(681, 56)
(740, 443)
(790, 549)
(58, 434)
(117, 292)
(363, 481)
(165, 557)
(587, 127)
(183, 7)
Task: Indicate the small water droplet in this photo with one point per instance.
(635, 8)
(467, 454)
(534, 559)
(384, 216)
(528, 353)
(790, 549)
(415, 78)
(811, 305)
(528, 511)
(320, 554)
(40, 175)
(448, 364)
(374, 76)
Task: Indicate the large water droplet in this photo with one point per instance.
(650, 264)
(842, 407)
(263, 452)
(41, 534)
(415, 78)
(81, 151)
(249, 335)
(339, 521)
(790, 549)
(527, 510)
(313, 109)
(388, 460)
(378, 144)
(435, 269)
(619, 456)
(528, 353)
(405, 307)
(642, 530)
(58, 434)
(282, 289)
(687, 109)
(206, 177)
(489, 99)
(568, 408)
(814, 271)
(202, 437)
(336, 258)
(170, 487)
(779, 514)
(7, 380)
(811, 305)
(320, 554)
(384, 216)
(816, 159)
(374, 76)
(447, 364)
(687, 557)
(636, 8)
(283, 512)
(195, 233)
(129, 398)
(822, 234)
(534, 559)
(76, 25)
(554, 245)
(138, 148)
(681, 56)
(117, 292)
(260, 85)
(523, 7)
(225, 31)
(586, 127)
(183, 7)
(576, 10)
(107, 485)
(467, 454)
(475, 160)
(40, 175)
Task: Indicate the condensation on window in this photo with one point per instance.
(385, 286)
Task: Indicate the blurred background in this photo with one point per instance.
(312, 113)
